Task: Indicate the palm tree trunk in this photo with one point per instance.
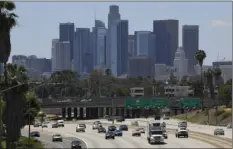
(202, 94)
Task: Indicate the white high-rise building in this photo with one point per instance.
(60, 55)
(180, 64)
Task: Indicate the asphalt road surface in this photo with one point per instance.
(93, 139)
(46, 139)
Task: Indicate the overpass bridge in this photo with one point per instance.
(99, 107)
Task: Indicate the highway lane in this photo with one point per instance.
(96, 140)
(46, 139)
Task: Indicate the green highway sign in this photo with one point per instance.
(158, 103)
(136, 103)
(189, 103)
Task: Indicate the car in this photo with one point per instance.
(96, 122)
(57, 137)
(136, 133)
(120, 119)
(165, 134)
(60, 123)
(229, 126)
(54, 125)
(76, 144)
(118, 133)
(112, 128)
(182, 131)
(44, 125)
(37, 125)
(101, 130)
(109, 134)
(123, 127)
(134, 123)
(80, 128)
(141, 130)
(35, 134)
(95, 126)
(219, 131)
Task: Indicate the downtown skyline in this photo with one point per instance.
(43, 45)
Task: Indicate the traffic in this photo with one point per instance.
(155, 131)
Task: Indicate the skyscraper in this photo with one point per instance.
(99, 25)
(101, 47)
(113, 16)
(132, 45)
(180, 63)
(190, 42)
(66, 33)
(122, 46)
(82, 50)
(145, 44)
(60, 55)
(167, 33)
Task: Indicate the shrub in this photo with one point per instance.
(219, 112)
(226, 115)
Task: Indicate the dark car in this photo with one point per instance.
(123, 127)
(219, 131)
(120, 119)
(76, 144)
(118, 133)
(101, 129)
(112, 128)
(55, 125)
(35, 134)
(109, 134)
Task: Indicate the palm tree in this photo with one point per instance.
(14, 110)
(200, 57)
(217, 74)
(108, 72)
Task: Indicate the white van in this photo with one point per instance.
(60, 123)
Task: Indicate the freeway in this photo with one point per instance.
(93, 139)
(46, 139)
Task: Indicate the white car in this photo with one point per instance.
(136, 132)
(80, 128)
(182, 131)
(57, 137)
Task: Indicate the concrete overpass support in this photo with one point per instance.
(104, 111)
(81, 113)
(96, 113)
(75, 113)
(110, 111)
(100, 112)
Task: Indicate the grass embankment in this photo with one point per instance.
(201, 117)
(22, 143)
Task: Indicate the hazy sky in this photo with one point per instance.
(39, 22)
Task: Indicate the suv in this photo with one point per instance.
(80, 127)
(182, 131)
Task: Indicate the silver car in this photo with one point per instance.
(136, 133)
(57, 137)
(141, 130)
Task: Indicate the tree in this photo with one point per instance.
(31, 107)
(200, 57)
(225, 92)
(14, 115)
(108, 72)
